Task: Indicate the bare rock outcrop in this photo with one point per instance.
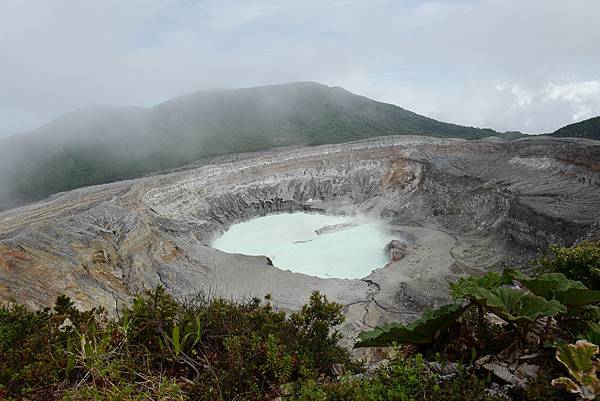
(396, 249)
(333, 228)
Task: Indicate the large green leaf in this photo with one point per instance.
(424, 330)
(513, 305)
(578, 358)
(593, 332)
(590, 313)
(489, 281)
(557, 286)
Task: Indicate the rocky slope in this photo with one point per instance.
(458, 206)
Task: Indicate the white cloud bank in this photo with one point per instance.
(569, 102)
(581, 98)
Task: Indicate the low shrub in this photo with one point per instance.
(404, 379)
(580, 262)
(160, 348)
(509, 324)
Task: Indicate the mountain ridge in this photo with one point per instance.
(589, 128)
(107, 143)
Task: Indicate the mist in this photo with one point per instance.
(99, 145)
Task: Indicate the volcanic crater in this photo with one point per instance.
(453, 207)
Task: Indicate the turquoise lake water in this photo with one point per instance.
(290, 241)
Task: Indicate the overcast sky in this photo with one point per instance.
(529, 65)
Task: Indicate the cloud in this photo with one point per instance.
(577, 92)
(523, 97)
(440, 58)
(581, 98)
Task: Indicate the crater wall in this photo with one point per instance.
(471, 205)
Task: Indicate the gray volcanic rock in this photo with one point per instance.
(333, 228)
(396, 249)
(466, 206)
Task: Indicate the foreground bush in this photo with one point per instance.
(201, 349)
(510, 325)
(405, 379)
(580, 262)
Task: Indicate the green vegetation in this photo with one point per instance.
(199, 349)
(579, 359)
(404, 379)
(589, 128)
(580, 262)
(510, 324)
(424, 330)
(102, 145)
(536, 334)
